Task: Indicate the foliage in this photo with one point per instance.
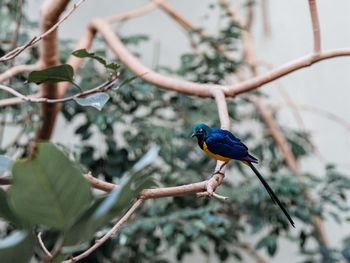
(131, 120)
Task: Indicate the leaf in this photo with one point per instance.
(125, 82)
(96, 100)
(18, 247)
(83, 53)
(146, 160)
(5, 210)
(5, 163)
(49, 189)
(54, 74)
(270, 243)
(111, 206)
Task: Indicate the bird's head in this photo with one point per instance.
(201, 131)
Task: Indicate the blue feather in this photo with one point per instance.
(225, 144)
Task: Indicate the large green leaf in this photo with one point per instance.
(49, 189)
(112, 205)
(52, 75)
(18, 247)
(5, 210)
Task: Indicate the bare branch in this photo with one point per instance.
(315, 26)
(203, 90)
(133, 13)
(316, 110)
(110, 233)
(17, 70)
(276, 133)
(103, 87)
(16, 100)
(14, 53)
(251, 251)
(42, 245)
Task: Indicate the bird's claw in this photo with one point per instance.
(218, 172)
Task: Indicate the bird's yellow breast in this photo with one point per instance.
(213, 155)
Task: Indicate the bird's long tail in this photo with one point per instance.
(271, 193)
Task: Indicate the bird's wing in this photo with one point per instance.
(230, 135)
(220, 143)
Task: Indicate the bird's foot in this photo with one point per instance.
(218, 172)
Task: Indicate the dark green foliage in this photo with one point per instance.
(52, 75)
(83, 53)
(51, 174)
(17, 247)
(135, 117)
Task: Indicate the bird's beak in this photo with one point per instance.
(192, 135)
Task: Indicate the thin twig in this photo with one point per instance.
(133, 13)
(42, 245)
(110, 233)
(15, 52)
(315, 26)
(251, 251)
(316, 110)
(103, 87)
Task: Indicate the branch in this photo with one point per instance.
(102, 88)
(133, 13)
(51, 11)
(315, 26)
(17, 70)
(15, 52)
(203, 90)
(276, 133)
(316, 110)
(251, 251)
(42, 245)
(110, 233)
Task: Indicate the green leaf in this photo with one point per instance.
(96, 100)
(111, 206)
(52, 75)
(125, 82)
(5, 210)
(18, 247)
(83, 53)
(49, 189)
(270, 243)
(5, 163)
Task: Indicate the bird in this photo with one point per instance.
(222, 145)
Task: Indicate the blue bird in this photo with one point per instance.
(222, 145)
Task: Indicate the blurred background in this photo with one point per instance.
(319, 92)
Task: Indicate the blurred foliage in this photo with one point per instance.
(136, 117)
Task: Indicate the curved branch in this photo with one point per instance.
(17, 70)
(203, 90)
(110, 233)
(133, 13)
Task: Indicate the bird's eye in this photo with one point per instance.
(200, 130)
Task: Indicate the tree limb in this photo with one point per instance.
(15, 52)
(19, 69)
(315, 26)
